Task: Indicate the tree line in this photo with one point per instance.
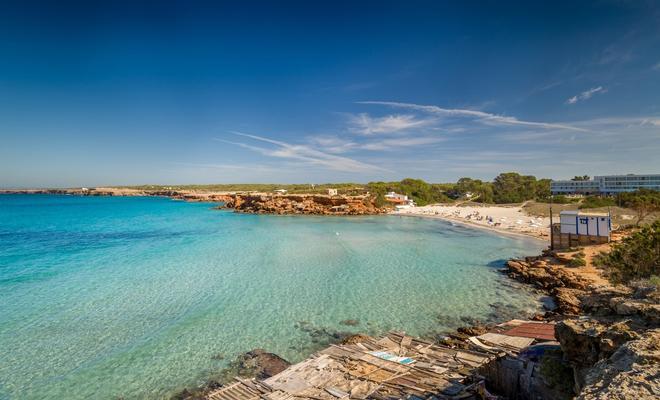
(507, 187)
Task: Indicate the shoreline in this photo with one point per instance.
(505, 219)
(469, 224)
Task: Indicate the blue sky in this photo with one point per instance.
(192, 92)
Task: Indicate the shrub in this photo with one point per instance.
(577, 262)
(561, 199)
(596, 202)
(635, 257)
(655, 280)
(645, 202)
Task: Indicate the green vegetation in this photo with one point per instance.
(480, 191)
(421, 192)
(577, 260)
(511, 187)
(507, 187)
(597, 202)
(655, 280)
(636, 257)
(644, 202)
(581, 178)
(559, 199)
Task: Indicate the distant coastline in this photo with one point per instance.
(250, 203)
(503, 218)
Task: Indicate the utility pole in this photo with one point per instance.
(552, 231)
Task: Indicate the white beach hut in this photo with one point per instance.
(584, 223)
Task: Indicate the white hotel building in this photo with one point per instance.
(607, 184)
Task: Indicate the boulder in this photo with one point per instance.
(598, 301)
(580, 341)
(647, 310)
(567, 300)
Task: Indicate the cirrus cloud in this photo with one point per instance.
(365, 124)
(586, 95)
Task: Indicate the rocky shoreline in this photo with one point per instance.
(307, 204)
(609, 335)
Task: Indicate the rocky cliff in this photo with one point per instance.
(609, 335)
(304, 204)
(632, 372)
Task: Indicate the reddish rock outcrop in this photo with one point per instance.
(304, 204)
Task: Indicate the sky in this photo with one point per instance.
(175, 92)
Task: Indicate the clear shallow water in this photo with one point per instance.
(109, 297)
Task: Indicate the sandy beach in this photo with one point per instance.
(505, 219)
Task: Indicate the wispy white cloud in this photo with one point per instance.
(656, 67)
(460, 140)
(332, 144)
(337, 145)
(303, 153)
(397, 143)
(586, 95)
(481, 116)
(367, 125)
(649, 121)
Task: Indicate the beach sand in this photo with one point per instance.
(505, 219)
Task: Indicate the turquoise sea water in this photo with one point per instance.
(137, 297)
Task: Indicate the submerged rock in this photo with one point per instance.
(198, 393)
(322, 335)
(260, 364)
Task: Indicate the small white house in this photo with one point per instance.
(332, 192)
(584, 223)
(399, 199)
(280, 191)
(393, 196)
